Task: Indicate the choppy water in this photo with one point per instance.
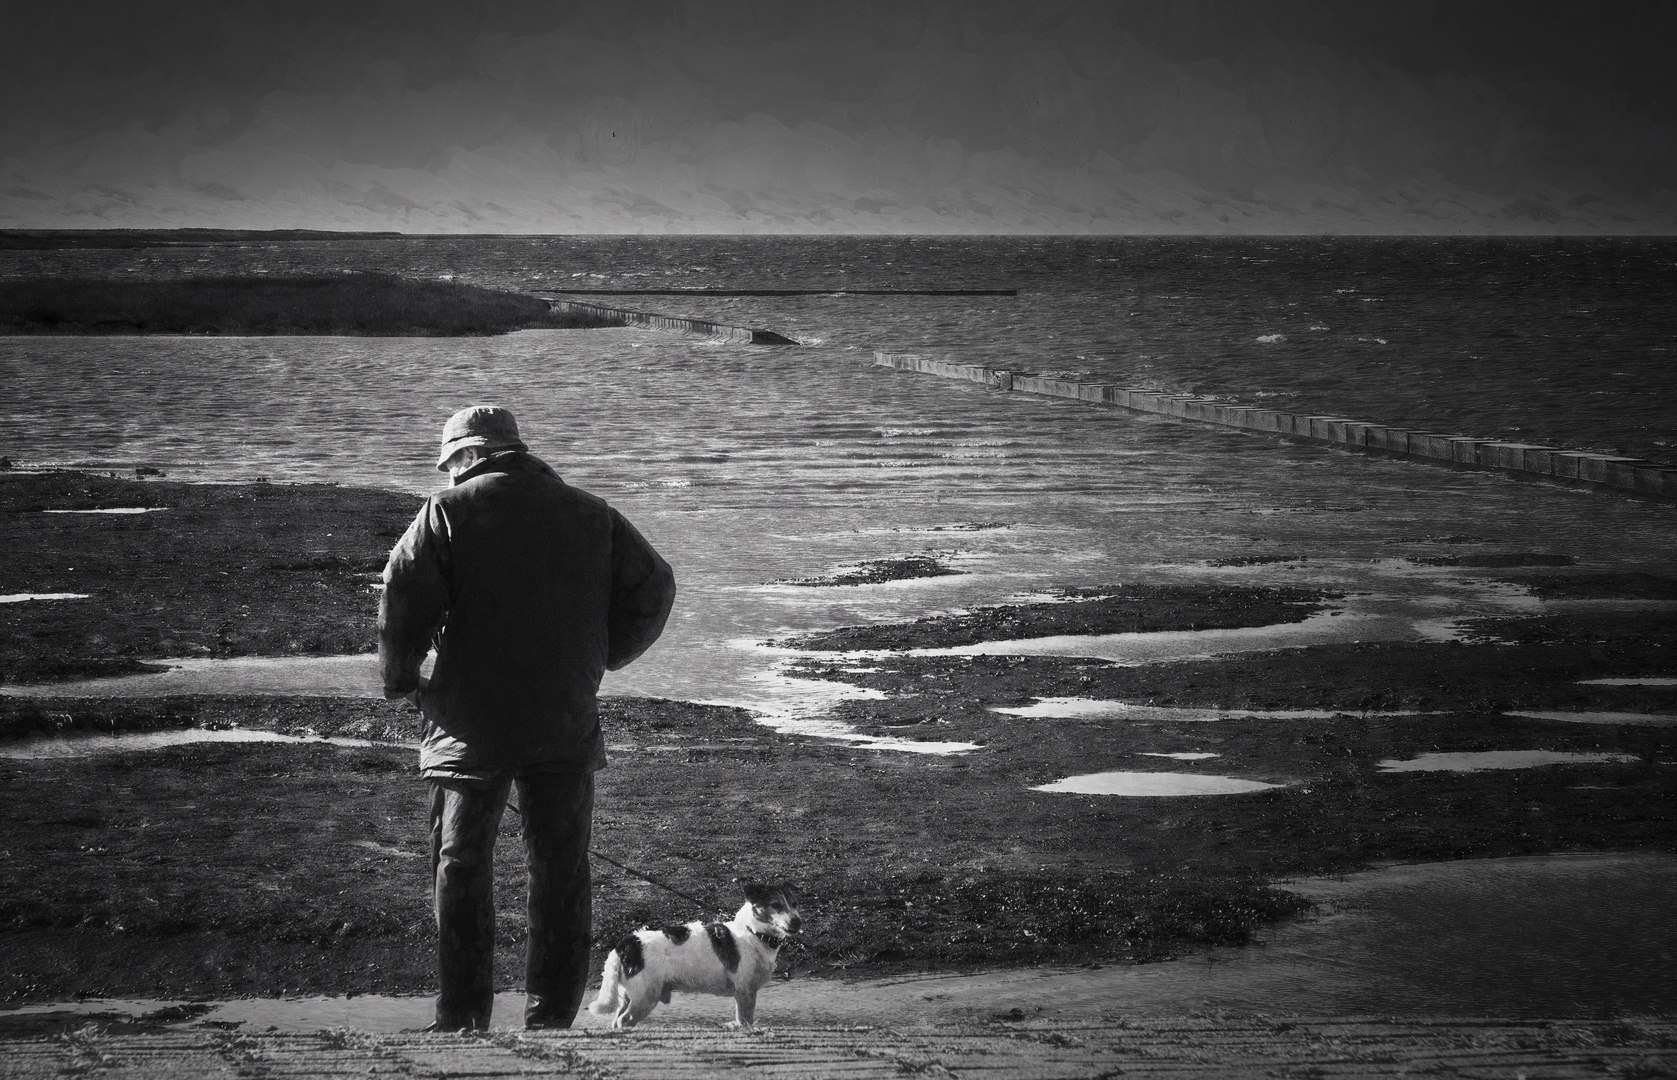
(750, 465)
(1571, 341)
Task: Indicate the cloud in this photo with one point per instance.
(896, 116)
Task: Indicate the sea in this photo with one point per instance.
(756, 468)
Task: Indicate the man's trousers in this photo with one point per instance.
(558, 815)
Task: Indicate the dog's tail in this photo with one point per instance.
(611, 987)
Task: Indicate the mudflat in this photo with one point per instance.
(223, 869)
(339, 304)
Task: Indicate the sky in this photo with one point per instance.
(874, 116)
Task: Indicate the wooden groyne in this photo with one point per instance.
(675, 324)
(1573, 467)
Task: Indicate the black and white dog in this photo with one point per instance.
(734, 959)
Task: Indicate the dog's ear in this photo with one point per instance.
(758, 893)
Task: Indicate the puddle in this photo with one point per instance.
(83, 744)
(1633, 718)
(1412, 621)
(1560, 936)
(827, 729)
(1627, 682)
(1090, 708)
(1083, 708)
(797, 707)
(1152, 784)
(1474, 760)
(794, 706)
(21, 597)
(312, 676)
(1155, 646)
(1406, 615)
(820, 728)
(1182, 756)
(113, 510)
(791, 706)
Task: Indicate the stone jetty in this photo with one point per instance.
(675, 324)
(1550, 463)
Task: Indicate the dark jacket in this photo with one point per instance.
(530, 590)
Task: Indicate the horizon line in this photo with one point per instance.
(223, 230)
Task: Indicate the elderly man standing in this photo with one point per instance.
(529, 589)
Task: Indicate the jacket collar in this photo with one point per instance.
(507, 461)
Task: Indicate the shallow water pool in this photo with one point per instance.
(84, 744)
(1152, 784)
(1474, 760)
(1584, 717)
(1092, 708)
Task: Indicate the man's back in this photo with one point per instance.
(537, 588)
(530, 590)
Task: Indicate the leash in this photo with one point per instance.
(787, 943)
(648, 877)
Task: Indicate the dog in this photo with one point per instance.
(734, 959)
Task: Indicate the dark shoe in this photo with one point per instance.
(451, 1027)
(542, 1011)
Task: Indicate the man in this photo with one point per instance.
(529, 589)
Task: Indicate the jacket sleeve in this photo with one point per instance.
(642, 592)
(415, 600)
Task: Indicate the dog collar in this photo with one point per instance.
(769, 939)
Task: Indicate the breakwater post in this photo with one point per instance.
(675, 324)
(1555, 464)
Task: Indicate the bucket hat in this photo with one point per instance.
(488, 426)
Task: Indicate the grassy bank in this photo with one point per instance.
(217, 869)
(261, 869)
(342, 304)
(254, 569)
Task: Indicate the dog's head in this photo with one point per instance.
(774, 906)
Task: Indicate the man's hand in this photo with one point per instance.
(413, 697)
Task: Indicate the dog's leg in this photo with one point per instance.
(612, 993)
(629, 1011)
(745, 1008)
(639, 1008)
